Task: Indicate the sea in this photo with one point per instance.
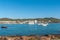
(29, 29)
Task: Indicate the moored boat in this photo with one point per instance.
(3, 26)
(44, 24)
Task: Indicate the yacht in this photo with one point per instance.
(44, 24)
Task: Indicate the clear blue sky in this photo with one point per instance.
(29, 8)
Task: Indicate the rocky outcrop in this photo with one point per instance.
(44, 37)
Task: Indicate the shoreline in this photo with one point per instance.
(44, 37)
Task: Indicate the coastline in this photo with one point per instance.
(43, 37)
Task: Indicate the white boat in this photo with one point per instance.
(44, 24)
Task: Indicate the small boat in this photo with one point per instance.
(44, 24)
(3, 26)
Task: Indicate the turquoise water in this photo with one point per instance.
(26, 29)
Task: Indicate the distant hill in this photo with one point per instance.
(53, 20)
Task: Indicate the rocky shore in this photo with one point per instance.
(44, 37)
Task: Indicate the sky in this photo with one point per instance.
(29, 8)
